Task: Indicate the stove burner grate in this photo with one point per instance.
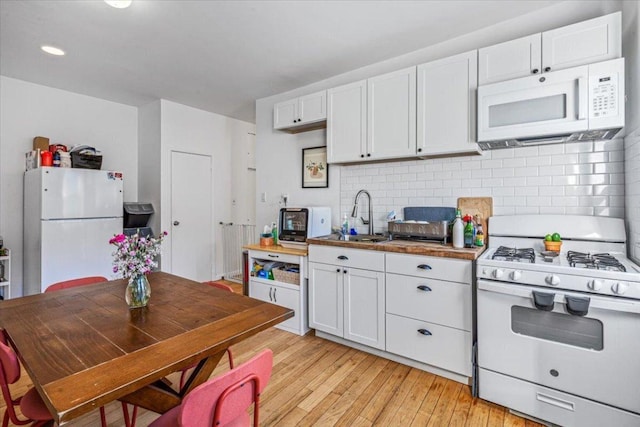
(505, 253)
(600, 261)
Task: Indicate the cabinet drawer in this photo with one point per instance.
(280, 296)
(430, 300)
(356, 258)
(454, 270)
(274, 256)
(446, 348)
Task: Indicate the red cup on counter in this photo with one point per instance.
(46, 158)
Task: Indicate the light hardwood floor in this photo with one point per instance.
(321, 383)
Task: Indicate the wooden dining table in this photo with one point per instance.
(83, 347)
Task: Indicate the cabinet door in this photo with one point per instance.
(260, 291)
(347, 122)
(312, 108)
(510, 60)
(291, 299)
(391, 115)
(364, 312)
(285, 114)
(447, 105)
(583, 43)
(326, 298)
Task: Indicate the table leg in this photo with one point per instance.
(158, 397)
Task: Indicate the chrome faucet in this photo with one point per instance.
(354, 212)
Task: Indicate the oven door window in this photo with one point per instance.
(557, 327)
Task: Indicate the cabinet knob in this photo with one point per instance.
(368, 154)
(361, 155)
(547, 69)
(424, 332)
(344, 271)
(419, 150)
(337, 270)
(535, 71)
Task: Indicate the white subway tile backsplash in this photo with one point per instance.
(551, 149)
(539, 161)
(579, 211)
(579, 147)
(578, 190)
(551, 170)
(593, 157)
(610, 167)
(586, 178)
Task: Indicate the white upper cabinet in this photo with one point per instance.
(347, 122)
(510, 60)
(447, 90)
(595, 40)
(304, 113)
(391, 115)
(373, 119)
(586, 42)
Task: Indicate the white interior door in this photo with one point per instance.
(191, 216)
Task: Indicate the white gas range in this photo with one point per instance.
(558, 335)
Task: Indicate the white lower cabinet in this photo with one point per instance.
(289, 295)
(262, 290)
(344, 301)
(417, 309)
(429, 310)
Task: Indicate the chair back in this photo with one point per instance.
(76, 282)
(9, 374)
(219, 286)
(225, 399)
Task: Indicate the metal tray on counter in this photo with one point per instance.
(434, 230)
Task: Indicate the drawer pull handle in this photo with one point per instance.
(424, 267)
(424, 332)
(273, 256)
(560, 403)
(274, 295)
(424, 288)
(343, 258)
(270, 291)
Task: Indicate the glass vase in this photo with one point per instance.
(138, 291)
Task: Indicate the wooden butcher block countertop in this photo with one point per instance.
(405, 247)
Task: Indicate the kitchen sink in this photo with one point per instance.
(368, 238)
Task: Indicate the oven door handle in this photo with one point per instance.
(543, 301)
(596, 302)
(578, 306)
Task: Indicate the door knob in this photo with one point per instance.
(176, 222)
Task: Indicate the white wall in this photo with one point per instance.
(167, 126)
(278, 154)
(631, 51)
(28, 110)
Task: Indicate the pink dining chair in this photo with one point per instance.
(129, 421)
(30, 404)
(66, 284)
(223, 401)
(224, 287)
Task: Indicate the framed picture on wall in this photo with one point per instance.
(315, 170)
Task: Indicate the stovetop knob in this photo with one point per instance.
(498, 273)
(516, 275)
(596, 284)
(553, 280)
(619, 288)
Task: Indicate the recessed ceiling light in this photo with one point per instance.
(120, 4)
(52, 50)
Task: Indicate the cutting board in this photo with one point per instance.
(478, 205)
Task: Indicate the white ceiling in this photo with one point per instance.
(221, 56)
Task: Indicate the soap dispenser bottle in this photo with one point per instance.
(458, 231)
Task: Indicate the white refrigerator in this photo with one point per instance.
(69, 217)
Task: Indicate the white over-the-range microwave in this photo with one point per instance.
(575, 104)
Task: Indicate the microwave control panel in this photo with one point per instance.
(603, 96)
